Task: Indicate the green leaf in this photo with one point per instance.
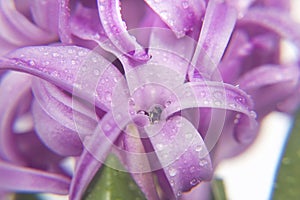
(218, 189)
(112, 184)
(25, 196)
(288, 178)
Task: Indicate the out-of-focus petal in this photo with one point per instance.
(18, 30)
(110, 16)
(68, 67)
(219, 21)
(17, 86)
(182, 154)
(268, 75)
(55, 136)
(45, 14)
(80, 118)
(268, 18)
(182, 16)
(22, 179)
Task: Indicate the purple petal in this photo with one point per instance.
(182, 154)
(216, 95)
(68, 67)
(55, 136)
(64, 21)
(268, 75)
(110, 16)
(219, 21)
(94, 154)
(283, 25)
(14, 85)
(64, 109)
(18, 30)
(22, 179)
(181, 16)
(45, 14)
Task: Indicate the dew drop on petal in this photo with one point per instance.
(198, 148)
(185, 4)
(240, 100)
(253, 114)
(108, 96)
(194, 182)
(96, 72)
(168, 103)
(159, 146)
(172, 171)
(203, 162)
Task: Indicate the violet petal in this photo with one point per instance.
(64, 109)
(216, 95)
(45, 14)
(68, 67)
(18, 30)
(182, 153)
(55, 136)
(24, 179)
(18, 86)
(219, 21)
(181, 16)
(64, 21)
(268, 18)
(110, 16)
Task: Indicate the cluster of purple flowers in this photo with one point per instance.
(170, 87)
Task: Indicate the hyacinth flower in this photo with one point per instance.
(160, 103)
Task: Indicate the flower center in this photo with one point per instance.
(154, 115)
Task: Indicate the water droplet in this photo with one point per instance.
(188, 135)
(81, 53)
(198, 148)
(253, 114)
(115, 29)
(236, 121)
(55, 54)
(203, 162)
(131, 102)
(115, 79)
(185, 4)
(107, 127)
(240, 99)
(172, 182)
(202, 93)
(232, 105)
(192, 169)
(206, 102)
(31, 62)
(108, 96)
(217, 103)
(179, 193)
(101, 8)
(96, 72)
(172, 171)
(194, 182)
(159, 146)
(164, 15)
(168, 103)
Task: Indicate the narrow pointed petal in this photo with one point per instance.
(217, 95)
(219, 21)
(268, 18)
(55, 136)
(22, 179)
(110, 16)
(182, 154)
(18, 30)
(94, 155)
(14, 85)
(180, 16)
(68, 67)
